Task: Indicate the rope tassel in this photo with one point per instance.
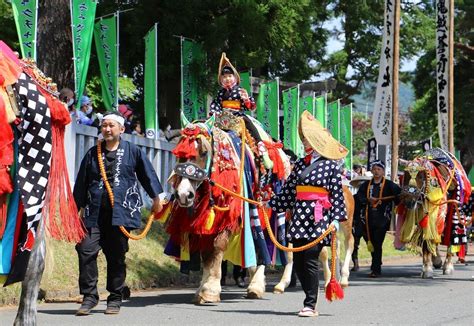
(334, 290)
(370, 246)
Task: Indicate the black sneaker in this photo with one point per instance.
(113, 308)
(88, 303)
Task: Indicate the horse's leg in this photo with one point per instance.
(286, 277)
(26, 314)
(256, 288)
(349, 245)
(427, 270)
(448, 267)
(437, 260)
(348, 237)
(324, 259)
(210, 288)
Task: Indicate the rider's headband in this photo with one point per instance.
(115, 117)
(378, 163)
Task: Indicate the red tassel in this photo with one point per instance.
(424, 222)
(186, 147)
(334, 290)
(63, 221)
(278, 167)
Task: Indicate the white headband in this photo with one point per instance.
(115, 117)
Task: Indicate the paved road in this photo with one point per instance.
(400, 297)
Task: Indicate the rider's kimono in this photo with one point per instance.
(230, 99)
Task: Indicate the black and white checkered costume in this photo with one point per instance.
(34, 156)
(325, 174)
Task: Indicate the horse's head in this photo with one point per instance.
(414, 183)
(194, 153)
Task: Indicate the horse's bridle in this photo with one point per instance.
(191, 171)
(194, 172)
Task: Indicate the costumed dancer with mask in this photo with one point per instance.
(376, 199)
(124, 164)
(313, 192)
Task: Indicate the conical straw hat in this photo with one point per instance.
(226, 62)
(319, 138)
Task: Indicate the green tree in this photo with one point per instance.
(362, 131)
(361, 32)
(8, 32)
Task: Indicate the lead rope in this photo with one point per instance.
(111, 198)
(370, 246)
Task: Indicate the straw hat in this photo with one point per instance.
(225, 62)
(319, 138)
(358, 180)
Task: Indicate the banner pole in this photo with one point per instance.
(338, 119)
(278, 106)
(451, 78)
(118, 59)
(181, 39)
(73, 50)
(156, 81)
(352, 145)
(396, 59)
(36, 32)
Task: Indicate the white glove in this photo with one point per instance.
(336, 224)
(99, 116)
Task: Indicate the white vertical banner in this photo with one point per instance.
(442, 69)
(382, 115)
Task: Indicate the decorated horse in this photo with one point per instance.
(218, 179)
(35, 196)
(435, 188)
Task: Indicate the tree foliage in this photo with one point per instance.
(361, 33)
(424, 115)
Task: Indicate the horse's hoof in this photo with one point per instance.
(253, 295)
(206, 299)
(427, 275)
(448, 271)
(278, 289)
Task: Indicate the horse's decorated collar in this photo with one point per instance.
(190, 171)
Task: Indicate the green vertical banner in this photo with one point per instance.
(320, 110)
(245, 82)
(82, 15)
(333, 119)
(290, 118)
(151, 82)
(105, 35)
(346, 132)
(268, 107)
(307, 103)
(193, 96)
(25, 13)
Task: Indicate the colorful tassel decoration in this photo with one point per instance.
(210, 219)
(334, 290)
(424, 222)
(163, 216)
(370, 246)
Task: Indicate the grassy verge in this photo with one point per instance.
(147, 267)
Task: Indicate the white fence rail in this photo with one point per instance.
(79, 138)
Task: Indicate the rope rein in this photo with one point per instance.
(260, 203)
(111, 198)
